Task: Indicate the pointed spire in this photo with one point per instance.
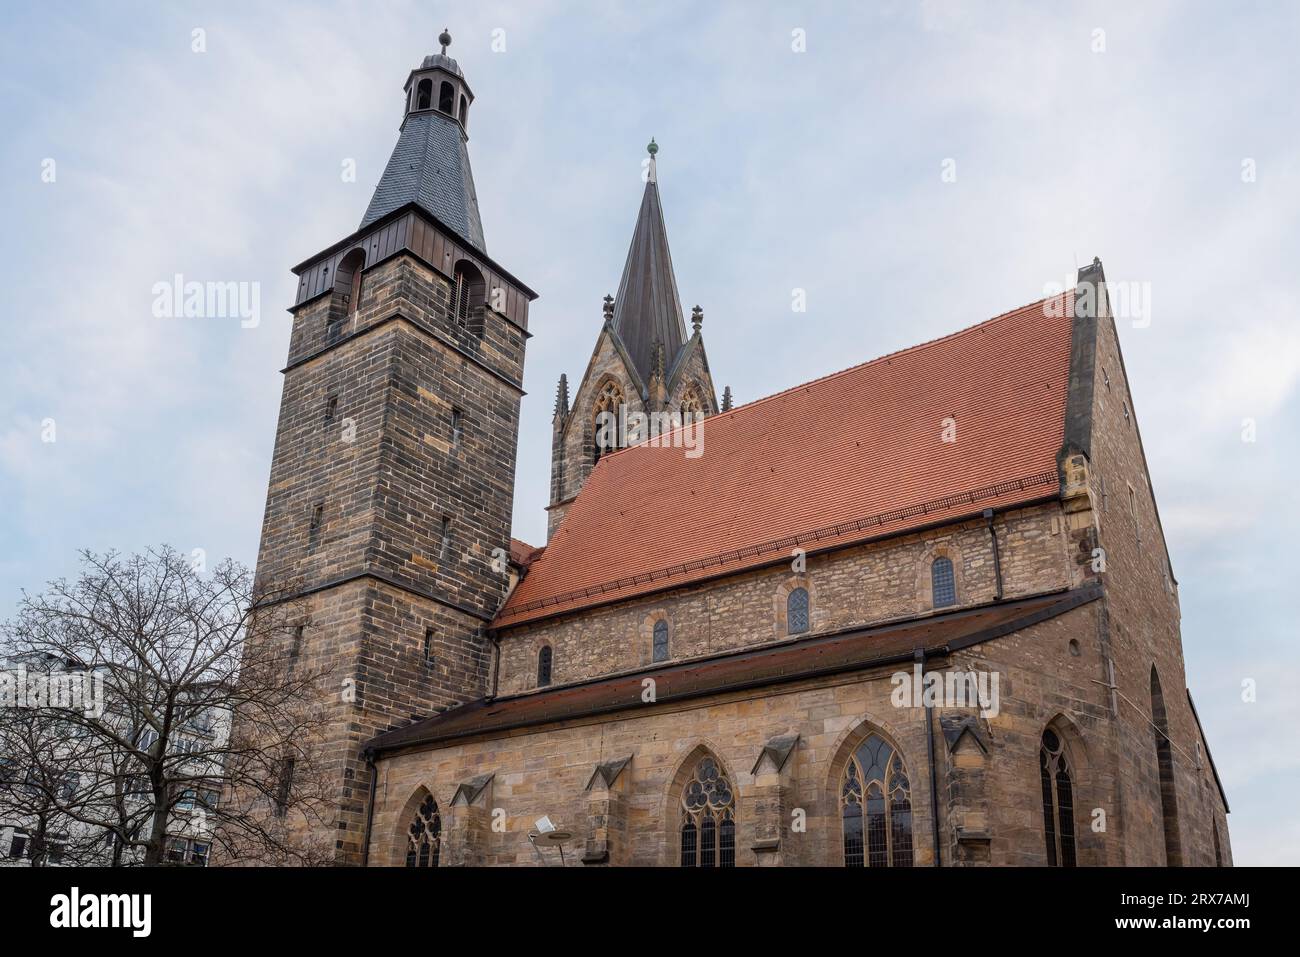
(562, 396)
(648, 308)
(430, 163)
(726, 399)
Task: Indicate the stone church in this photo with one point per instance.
(918, 612)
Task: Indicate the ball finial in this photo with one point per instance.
(652, 148)
(445, 39)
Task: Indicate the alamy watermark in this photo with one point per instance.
(946, 689)
(70, 691)
(179, 298)
(618, 430)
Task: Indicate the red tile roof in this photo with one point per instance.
(853, 456)
(523, 554)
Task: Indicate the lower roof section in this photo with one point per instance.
(844, 651)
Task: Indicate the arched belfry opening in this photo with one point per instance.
(424, 94)
(447, 97)
(1165, 762)
(468, 297)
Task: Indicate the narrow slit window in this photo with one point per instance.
(314, 529)
(428, 646)
(544, 657)
(457, 428)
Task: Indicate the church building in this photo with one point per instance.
(917, 612)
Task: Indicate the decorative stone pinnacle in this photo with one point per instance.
(726, 399)
(609, 308)
(445, 39)
(697, 318)
(562, 395)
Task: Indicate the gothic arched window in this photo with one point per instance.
(424, 838)
(544, 666)
(1058, 801)
(467, 296)
(447, 98)
(876, 807)
(708, 837)
(943, 586)
(424, 94)
(796, 612)
(692, 408)
(660, 641)
(347, 283)
(606, 420)
(1165, 764)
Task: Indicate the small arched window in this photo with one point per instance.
(447, 98)
(424, 94)
(876, 807)
(464, 110)
(1058, 800)
(424, 837)
(796, 612)
(606, 420)
(943, 585)
(661, 641)
(544, 666)
(467, 297)
(708, 835)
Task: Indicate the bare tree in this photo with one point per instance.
(41, 784)
(181, 653)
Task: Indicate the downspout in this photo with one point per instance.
(496, 664)
(934, 787)
(370, 807)
(997, 557)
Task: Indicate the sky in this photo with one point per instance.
(914, 167)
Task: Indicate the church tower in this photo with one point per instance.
(392, 480)
(644, 360)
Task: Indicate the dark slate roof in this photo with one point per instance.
(849, 650)
(648, 309)
(430, 166)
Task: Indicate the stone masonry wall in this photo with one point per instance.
(859, 586)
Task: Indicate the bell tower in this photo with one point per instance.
(392, 479)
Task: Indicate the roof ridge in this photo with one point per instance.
(896, 352)
(665, 437)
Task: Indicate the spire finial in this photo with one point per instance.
(697, 318)
(726, 399)
(652, 171)
(608, 309)
(445, 39)
(652, 147)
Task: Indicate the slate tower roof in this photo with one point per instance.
(430, 163)
(647, 309)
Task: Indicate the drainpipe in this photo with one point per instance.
(496, 664)
(934, 788)
(370, 807)
(997, 557)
